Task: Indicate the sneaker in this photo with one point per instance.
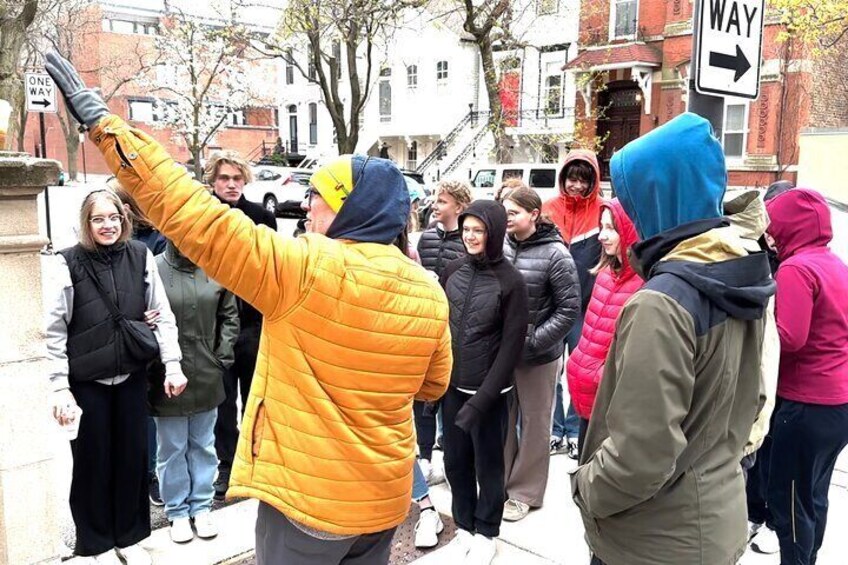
(515, 510)
(134, 555)
(437, 475)
(753, 528)
(205, 526)
(221, 484)
(482, 552)
(428, 528)
(438, 445)
(105, 558)
(765, 541)
(573, 450)
(181, 531)
(426, 469)
(457, 550)
(155, 495)
(558, 445)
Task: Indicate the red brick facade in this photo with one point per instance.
(773, 120)
(103, 52)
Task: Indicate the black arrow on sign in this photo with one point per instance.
(45, 103)
(738, 62)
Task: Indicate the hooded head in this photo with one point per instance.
(493, 216)
(590, 162)
(777, 188)
(368, 196)
(672, 176)
(800, 218)
(748, 219)
(626, 234)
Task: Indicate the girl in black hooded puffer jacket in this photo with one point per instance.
(488, 321)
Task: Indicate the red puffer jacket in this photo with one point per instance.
(586, 364)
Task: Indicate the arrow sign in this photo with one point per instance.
(738, 62)
(40, 93)
(723, 25)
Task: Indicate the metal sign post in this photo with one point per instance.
(41, 98)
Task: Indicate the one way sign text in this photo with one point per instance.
(40, 92)
(729, 40)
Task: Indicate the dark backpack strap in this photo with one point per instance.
(85, 262)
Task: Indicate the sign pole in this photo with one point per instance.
(709, 107)
(82, 144)
(46, 188)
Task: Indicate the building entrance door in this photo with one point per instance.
(621, 105)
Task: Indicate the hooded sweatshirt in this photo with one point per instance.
(659, 480)
(488, 312)
(611, 292)
(812, 284)
(577, 221)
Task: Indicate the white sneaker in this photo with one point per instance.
(205, 526)
(515, 510)
(753, 528)
(482, 552)
(437, 474)
(105, 558)
(765, 541)
(134, 555)
(457, 550)
(428, 528)
(426, 469)
(181, 531)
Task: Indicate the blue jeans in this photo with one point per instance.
(567, 424)
(187, 463)
(420, 490)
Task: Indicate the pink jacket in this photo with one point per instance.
(611, 291)
(811, 305)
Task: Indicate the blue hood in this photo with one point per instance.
(377, 209)
(674, 175)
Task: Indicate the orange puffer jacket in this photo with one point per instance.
(352, 333)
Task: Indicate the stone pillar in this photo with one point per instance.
(29, 528)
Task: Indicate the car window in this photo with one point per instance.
(512, 174)
(485, 178)
(265, 174)
(542, 178)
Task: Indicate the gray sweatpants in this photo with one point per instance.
(279, 542)
(527, 456)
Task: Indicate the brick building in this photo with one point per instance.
(119, 40)
(633, 71)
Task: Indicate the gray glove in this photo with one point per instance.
(85, 104)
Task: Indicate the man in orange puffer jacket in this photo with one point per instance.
(353, 331)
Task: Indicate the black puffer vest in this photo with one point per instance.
(95, 349)
(438, 247)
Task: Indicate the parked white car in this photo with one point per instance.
(541, 177)
(278, 189)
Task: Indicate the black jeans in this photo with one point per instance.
(425, 427)
(756, 485)
(806, 440)
(237, 379)
(476, 458)
(109, 486)
(279, 542)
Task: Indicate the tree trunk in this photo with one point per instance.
(496, 121)
(72, 145)
(12, 36)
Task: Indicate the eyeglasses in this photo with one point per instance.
(103, 220)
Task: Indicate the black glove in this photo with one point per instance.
(468, 418)
(85, 104)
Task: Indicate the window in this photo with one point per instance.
(386, 72)
(143, 111)
(130, 27)
(293, 128)
(337, 58)
(412, 76)
(623, 15)
(442, 71)
(512, 174)
(313, 123)
(545, 7)
(412, 156)
(385, 101)
(289, 67)
(553, 90)
(310, 71)
(734, 128)
(236, 118)
(542, 178)
(484, 178)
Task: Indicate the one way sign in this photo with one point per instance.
(40, 92)
(730, 43)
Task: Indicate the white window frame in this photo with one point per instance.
(546, 89)
(744, 131)
(612, 35)
(143, 116)
(236, 118)
(412, 155)
(412, 76)
(442, 74)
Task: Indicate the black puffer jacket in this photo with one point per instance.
(553, 290)
(488, 312)
(438, 247)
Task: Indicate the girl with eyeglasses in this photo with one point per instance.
(99, 281)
